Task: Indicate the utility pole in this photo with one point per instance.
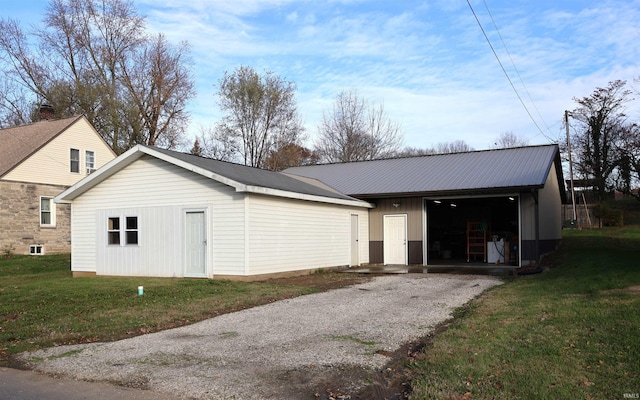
(573, 193)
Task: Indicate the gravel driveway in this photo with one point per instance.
(286, 349)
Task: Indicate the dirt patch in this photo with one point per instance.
(628, 290)
(325, 281)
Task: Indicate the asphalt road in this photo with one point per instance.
(28, 385)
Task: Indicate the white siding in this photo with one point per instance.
(51, 163)
(159, 193)
(290, 235)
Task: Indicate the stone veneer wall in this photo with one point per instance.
(20, 219)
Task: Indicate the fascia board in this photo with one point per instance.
(99, 175)
(307, 197)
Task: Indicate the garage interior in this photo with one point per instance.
(480, 231)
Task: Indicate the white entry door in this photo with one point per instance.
(195, 244)
(395, 239)
(355, 248)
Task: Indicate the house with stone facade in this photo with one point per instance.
(37, 162)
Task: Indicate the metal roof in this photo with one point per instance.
(476, 171)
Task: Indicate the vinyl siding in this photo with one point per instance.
(51, 163)
(159, 194)
(290, 235)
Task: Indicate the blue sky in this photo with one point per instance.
(427, 61)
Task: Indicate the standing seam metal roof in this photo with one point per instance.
(478, 170)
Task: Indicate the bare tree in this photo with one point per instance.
(261, 112)
(415, 152)
(218, 144)
(509, 139)
(456, 146)
(159, 85)
(95, 58)
(600, 121)
(356, 130)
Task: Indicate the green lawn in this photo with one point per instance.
(572, 332)
(42, 305)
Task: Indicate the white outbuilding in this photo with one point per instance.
(161, 213)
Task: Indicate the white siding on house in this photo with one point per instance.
(159, 193)
(55, 155)
(159, 248)
(290, 235)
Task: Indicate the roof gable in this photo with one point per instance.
(21, 142)
(240, 177)
(478, 171)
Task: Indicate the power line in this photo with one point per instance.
(505, 72)
(514, 66)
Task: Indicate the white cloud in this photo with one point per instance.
(428, 63)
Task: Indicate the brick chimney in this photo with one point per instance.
(46, 112)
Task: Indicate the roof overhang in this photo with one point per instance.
(138, 151)
(509, 190)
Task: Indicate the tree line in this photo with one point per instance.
(95, 57)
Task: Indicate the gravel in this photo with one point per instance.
(285, 349)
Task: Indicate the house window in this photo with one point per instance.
(131, 230)
(119, 234)
(90, 161)
(47, 211)
(36, 250)
(113, 230)
(74, 160)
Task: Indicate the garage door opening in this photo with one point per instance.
(472, 231)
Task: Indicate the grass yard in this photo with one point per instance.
(572, 332)
(43, 306)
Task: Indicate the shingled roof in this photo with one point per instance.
(20, 142)
(257, 177)
(240, 177)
